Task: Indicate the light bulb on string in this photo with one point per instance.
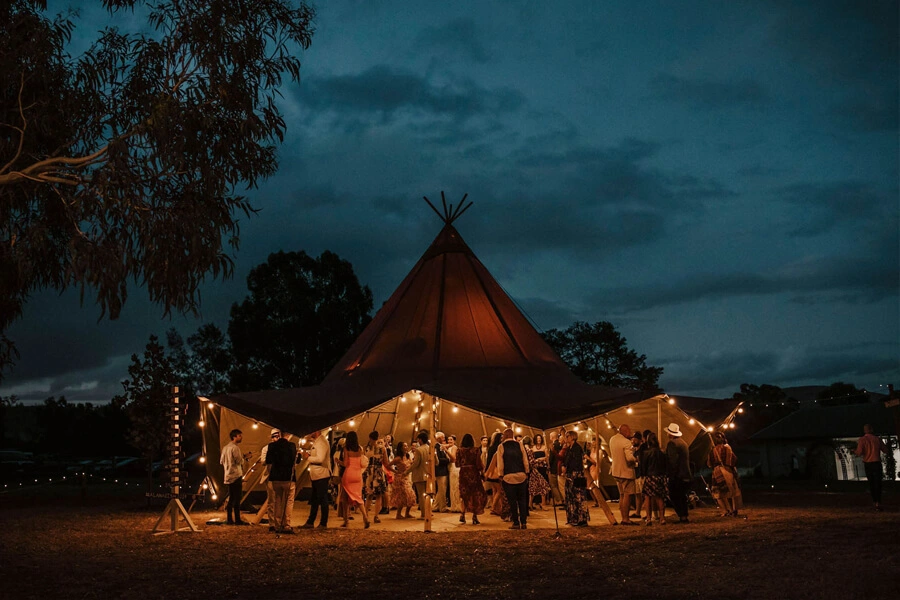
(629, 410)
(210, 405)
(201, 423)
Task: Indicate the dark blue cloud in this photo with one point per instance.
(706, 372)
(710, 95)
(457, 38)
(387, 91)
(828, 206)
(852, 46)
(862, 280)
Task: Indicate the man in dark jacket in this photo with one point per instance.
(281, 456)
(512, 463)
(679, 462)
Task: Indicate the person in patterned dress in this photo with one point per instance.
(537, 485)
(572, 468)
(471, 490)
(402, 494)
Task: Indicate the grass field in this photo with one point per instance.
(794, 543)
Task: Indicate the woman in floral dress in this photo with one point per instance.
(471, 490)
(577, 513)
(538, 486)
(402, 493)
(374, 480)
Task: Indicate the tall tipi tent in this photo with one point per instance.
(449, 341)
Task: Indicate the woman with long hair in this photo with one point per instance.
(725, 486)
(451, 449)
(542, 464)
(653, 465)
(572, 469)
(471, 491)
(351, 481)
(537, 485)
(499, 503)
(374, 479)
(403, 496)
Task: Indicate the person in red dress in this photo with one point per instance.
(471, 490)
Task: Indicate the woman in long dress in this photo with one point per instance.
(471, 490)
(351, 481)
(499, 503)
(542, 464)
(402, 494)
(452, 449)
(374, 479)
(725, 486)
(572, 469)
(537, 485)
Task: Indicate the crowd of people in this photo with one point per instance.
(505, 475)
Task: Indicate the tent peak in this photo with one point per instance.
(450, 214)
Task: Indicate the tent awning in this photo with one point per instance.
(528, 396)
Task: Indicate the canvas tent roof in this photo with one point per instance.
(451, 331)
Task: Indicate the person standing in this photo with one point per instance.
(870, 447)
(319, 475)
(402, 494)
(270, 491)
(233, 462)
(471, 490)
(553, 450)
(622, 469)
(417, 469)
(679, 471)
(441, 473)
(654, 467)
(485, 441)
(571, 471)
(512, 465)
(281, 456)
(452, 449)
(541, 464)
(499, 503)
(537, 485)
(374, 479)
(354, 462)
(725, 488)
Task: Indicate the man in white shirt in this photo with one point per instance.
(319, 474)
(622, 469)
(233, 462)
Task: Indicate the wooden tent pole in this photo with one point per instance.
(429, 474)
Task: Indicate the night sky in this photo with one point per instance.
(717, 179)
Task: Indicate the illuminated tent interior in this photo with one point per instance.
(448, 351)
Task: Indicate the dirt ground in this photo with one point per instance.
(793, 544)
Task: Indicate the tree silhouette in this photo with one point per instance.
(301, 316)
(147, 400)
(598, 354)
(126, 163)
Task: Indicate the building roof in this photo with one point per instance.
(830, 422)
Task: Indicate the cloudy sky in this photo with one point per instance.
(717, 179)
